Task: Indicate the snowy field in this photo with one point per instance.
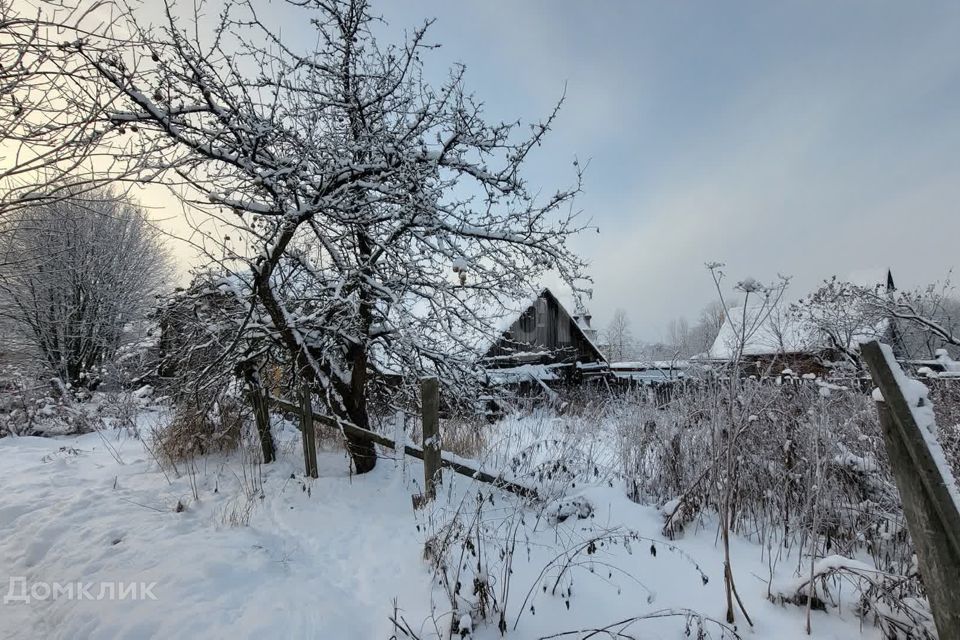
(236, 553)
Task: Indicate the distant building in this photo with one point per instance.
(770, 339)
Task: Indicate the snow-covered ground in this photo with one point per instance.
(333, 557)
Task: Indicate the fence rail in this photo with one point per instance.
(457, 465)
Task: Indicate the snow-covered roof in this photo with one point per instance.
(772, 329)
(763, 330)
(942, 365)
(645, 365)
(522, 373)
(507, 321)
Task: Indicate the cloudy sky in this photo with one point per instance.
(797, 138)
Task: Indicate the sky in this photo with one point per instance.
(797, 138)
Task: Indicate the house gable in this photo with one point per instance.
(544, 333)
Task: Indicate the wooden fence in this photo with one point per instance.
(430, 453)
(925, 483)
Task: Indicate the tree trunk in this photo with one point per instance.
(362, 452)
(261, 413)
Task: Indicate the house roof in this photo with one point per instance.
(647, 365)
(776, 330)
(763, 330)
(507, 322)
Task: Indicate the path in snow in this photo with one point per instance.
(305, 565)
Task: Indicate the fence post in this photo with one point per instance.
(430, 409)
(931, 514)
(308, 432)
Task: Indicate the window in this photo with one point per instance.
(541, 312)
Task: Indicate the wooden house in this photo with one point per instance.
(545, 334)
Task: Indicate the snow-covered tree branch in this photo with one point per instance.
(52, 103)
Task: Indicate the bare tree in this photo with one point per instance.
(923, 320)
(618, 336)
(384, 219)
(52, 104)
(678, 334)
(836, 314)
(711, 318)
(76, 274)
(684, 340)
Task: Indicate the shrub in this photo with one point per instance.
(201, 426)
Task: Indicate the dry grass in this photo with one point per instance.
(200, 428)
(464, 435)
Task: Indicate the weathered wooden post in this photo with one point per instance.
(430, 410)
(308, 432)
(929, 506)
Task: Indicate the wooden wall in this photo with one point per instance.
(546, 334)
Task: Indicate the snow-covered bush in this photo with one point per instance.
(889, 600)
(788, 432)
(32, 404)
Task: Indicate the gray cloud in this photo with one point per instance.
(788, 138)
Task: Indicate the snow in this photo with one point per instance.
(763, 330)
(568, 507)
(651, 364)
(670, 507)
(863, 464)
(948, 364)
(317, 563)
(143, 392)
(522, 373)
(465, 625)
(751, 285)
(768, 328)
(335, 557)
